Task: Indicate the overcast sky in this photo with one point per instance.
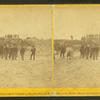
(35, 21)
(26, 21)
(76, 21)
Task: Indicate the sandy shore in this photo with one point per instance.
(77, 72)
(27, 73)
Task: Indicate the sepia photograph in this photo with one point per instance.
(25, 46)
(77, 46)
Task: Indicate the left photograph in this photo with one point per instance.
(25, 46)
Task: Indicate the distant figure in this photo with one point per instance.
(22, 52)
(55, 53)
(69, 51)
(87, 51)
(14, 52)
(6, 52)
(10, 51)
(63, 51)
(97, 52)
(1, 51)
(33, 53)
(92, 52)
(82, 51)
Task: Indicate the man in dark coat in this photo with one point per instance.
(33, 53)
(22, 52)
(63, 51)
(1, 51)
(6, 52)
(87, 51)
(14, 52)
(82, 51)
(10, 51)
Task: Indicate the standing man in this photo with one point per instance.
(6, 51)
(2, 51)
(87, 51)
(63, 51)
(22, 52)
(33, 53)
(14, 52)
(10, 51)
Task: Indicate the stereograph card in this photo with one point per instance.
(50, 50)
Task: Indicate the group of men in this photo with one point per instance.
(11, 52)
(89, 51)
(68, 50)
(64, 50)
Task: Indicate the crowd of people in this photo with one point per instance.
(68, 50)
(10, 52)
(89, 51)
(64, 51)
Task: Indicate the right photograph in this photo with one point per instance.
(77, 46)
